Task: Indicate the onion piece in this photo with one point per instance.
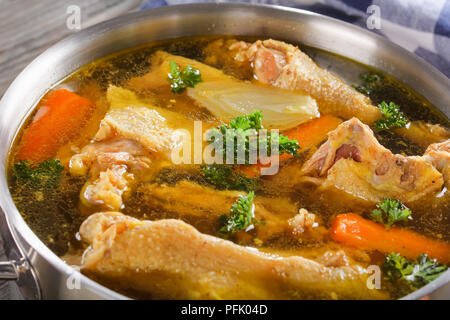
(227, 99)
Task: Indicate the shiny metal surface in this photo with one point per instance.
(58, 280)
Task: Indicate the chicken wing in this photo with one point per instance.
(284, 66)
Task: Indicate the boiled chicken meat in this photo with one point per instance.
(171, 259)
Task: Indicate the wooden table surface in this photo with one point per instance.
(28, 27)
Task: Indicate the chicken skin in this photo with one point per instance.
(284, 66)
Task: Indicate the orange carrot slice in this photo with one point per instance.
(313, 132)
(353, 230)
(57, 120)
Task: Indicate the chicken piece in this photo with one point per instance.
(107, 190)
(171, 259)
(352, 161)
(303, 221)
(307, 227)
(141, 124)
(188, 198)
(197, 204)
(99, 156)
(154, 128)
(438, 154)
(334, 259)
(111, 166)
(284, 66)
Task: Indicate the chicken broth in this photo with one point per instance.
(356, 148)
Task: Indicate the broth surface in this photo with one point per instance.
(55, 215)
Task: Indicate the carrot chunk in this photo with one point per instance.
(57, 120)
(313, 132)
(353, 230)
(308, 134)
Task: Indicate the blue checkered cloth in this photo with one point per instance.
(422, 27)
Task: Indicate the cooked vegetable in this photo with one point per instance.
(390, 211)
(416, 273)
(242, 127)
(392, 117)
(58, 120)
(353, 230)
(224, 177)
(286, 145)
(241, 216)
(180, 80)
(44, 176)
(282, 109)
(250, 121)
(369, 82)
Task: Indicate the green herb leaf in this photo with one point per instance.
(250, 121)
(415, 273)
(389, 212)
(44, 176)
(392, 117)
(224, 177)
(180, 80)
(241, 128)
(217, 174)
(22, 170)
(426, 271)
(396, 266)
(370, 81)
(241, 216)
(286, 145)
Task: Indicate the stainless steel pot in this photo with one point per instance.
(39, 271)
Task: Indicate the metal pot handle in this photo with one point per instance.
(9, 270)
(17, 268)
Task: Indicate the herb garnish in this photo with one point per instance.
(392, 117)
(415, 273)
(223, 177)
(369, 83)
(46, 175)
(244, 127)
(241, 216)
(389, 212)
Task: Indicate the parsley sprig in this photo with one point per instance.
(392, 117)
(243, 128)
(389, 212)
(241, 217)
(370, 82)
(224, 177)
(180, 80)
